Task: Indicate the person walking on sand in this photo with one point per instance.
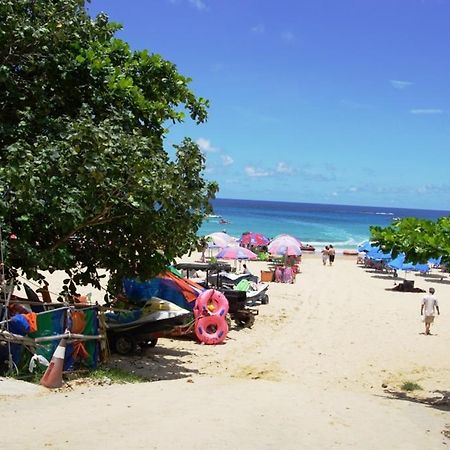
(429, 306)
(331, 254)
(325, 255)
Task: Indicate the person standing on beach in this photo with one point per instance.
(429, 306)
(325, 255)
(331, 254)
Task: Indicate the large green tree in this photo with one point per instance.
(419, 239)
(85, 181)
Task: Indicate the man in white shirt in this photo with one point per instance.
(429, 306)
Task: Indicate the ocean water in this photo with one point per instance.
(343, 226)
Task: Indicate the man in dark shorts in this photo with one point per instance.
(331, 254)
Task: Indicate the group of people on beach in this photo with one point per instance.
(328, 255)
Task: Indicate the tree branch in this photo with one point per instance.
(99, 219)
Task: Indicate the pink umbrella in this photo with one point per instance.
(256, 239)
(236, 253)
(285, 245)
(285, 250)
(286, 238)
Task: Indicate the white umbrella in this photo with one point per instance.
(220, 239)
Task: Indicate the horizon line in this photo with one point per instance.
(330, 204)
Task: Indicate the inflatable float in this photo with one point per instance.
(210, 310)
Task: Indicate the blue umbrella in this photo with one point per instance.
(365, 246)
(397, 263)
(377, 254)
(435, 261)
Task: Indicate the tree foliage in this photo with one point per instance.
(85, 181)
(419, 239)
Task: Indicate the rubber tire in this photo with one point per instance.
(245, 320)
(265, 300)
(125, 345)
(149, 344)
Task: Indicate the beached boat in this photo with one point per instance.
(307, 248)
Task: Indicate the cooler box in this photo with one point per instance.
(266, 275)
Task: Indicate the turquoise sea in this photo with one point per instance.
(344, 226)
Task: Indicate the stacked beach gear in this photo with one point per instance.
(210, 311)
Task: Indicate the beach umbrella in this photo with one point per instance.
(220, 239)
(236, 253)
(435, 262)
(285, 249)
(365, 246)
(286, 238)
(285, 245)
(398, 262)
(377, 254)
(256, 239)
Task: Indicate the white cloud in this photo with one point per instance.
(282, 167)
(258, 29)
(400, 85)
(426, 111)
(288, 36)
(353, 189)
(256, 172)
(206, 146)
(334, 194)
(227, 160)
(198, 4)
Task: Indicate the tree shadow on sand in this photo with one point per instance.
(439, 400)
(440, 281)
(387, 277)
(155, 364)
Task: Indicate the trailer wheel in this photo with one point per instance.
(245, 320)
(149, 344)
(125, 345)
(265, 300)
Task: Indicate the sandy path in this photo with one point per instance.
(307, 375)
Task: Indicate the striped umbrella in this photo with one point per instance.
(285, 245)
(256, 239)
(236, 253)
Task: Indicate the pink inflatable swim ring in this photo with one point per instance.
(211, 303)
(211, 330)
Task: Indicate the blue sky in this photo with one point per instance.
(321, 101)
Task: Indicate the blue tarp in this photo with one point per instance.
(139, 292)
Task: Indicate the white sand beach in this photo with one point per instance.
(322, 367)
